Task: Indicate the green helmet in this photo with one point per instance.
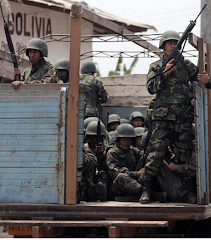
(37, 44)
(139, 131)
(168, 35)
(113, 118)
(112, 135)
(135, 115)
(63, 64)
(124, 120)
(92, 129)
(144, 138)
(88, 67)
(88, 120)
(125, 130)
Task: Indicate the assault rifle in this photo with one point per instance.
(176, 54)
(99, 139)
(10, 44)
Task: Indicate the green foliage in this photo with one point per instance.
(124, 69)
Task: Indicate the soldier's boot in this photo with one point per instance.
(102, 190)
(191, 191)
(92, 192)
(159, 196)
(146, 194)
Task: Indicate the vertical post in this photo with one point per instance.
(208, 69)
(204, 163)
(73, 100)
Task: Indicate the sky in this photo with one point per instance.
(162, 14)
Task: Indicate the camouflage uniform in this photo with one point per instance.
(122, 169)
(93, 89)
(173, 182)
(173, 114)
(93, 169)
(44, 73)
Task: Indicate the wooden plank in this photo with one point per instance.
(96, 19)
(111, 209)
(72, 112)
(193, 40)
(114, 232)
(83, 223)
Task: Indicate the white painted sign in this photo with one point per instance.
(35, 22)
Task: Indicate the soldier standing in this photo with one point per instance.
(172, 116)
(41, 71)
(93, 89)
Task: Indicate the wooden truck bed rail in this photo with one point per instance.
(107, 210)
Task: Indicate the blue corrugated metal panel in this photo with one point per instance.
(201, 119)
(80, 136)
(32, 139)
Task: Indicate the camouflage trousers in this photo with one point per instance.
(169, 133)
(174, 183)
(123, 183)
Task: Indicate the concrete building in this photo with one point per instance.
(39, 18)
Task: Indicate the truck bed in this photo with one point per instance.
(106, 210)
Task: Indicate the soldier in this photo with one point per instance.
(126, 167)
(124, 120)
(41, 71)
(93, 185)
(136, 119)
(172, 116)
(63, 66)
(113, 122)
(86, 122)
(122, 160)
(95, 93)
(139, 131)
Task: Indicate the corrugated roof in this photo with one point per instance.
(65, 5)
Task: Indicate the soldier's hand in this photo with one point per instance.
(204, 77)
(17, 71)
(140, 173)
(16, 84)
(169, 69)
(173, 167)
(99, 148)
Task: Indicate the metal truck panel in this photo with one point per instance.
(32, 139)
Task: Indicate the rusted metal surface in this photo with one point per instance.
(108, 210)
(202, 125)
(32, 144)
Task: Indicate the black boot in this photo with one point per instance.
(92, 192)
(146, 195)
(102, 190)
(159, 196)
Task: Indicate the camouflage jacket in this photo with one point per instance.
(171, 90)
(100, 162)
(44, 73)
(123, 161)
(93, 89)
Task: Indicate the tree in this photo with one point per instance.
(124, 69)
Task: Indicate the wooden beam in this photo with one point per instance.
(73, 100)
(116, 28)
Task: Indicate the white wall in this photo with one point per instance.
(32, 22)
